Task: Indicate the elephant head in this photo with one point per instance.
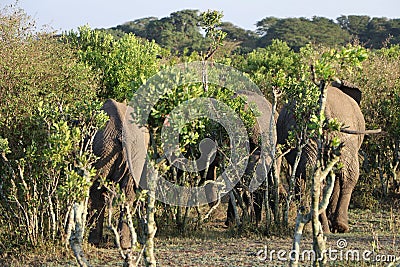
(342, 103)
(121, 148)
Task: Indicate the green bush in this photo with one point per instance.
(48, 117)
(379, 81)
(122, 65)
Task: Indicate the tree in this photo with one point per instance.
(371, 32)
(265, 24)
(179, 31)
(270, 66)
(298, 32)
(138, 26)
(244, 38)
(354, 24)
(377, 32)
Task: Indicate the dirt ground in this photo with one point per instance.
(373, 241)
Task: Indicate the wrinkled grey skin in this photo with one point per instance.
(342, 104)
(114, 153)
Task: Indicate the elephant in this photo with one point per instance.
(343, 100)
(254, 200)
(120, 142)
(121, 160)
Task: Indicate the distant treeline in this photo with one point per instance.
(182, 30)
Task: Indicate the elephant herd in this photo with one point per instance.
(342, 103)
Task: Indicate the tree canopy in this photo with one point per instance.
(181, 30)
(298, 32)
(177, 31)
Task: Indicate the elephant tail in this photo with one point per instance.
(348, 131)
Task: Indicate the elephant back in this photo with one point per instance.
(339, 105)
(346, 109)
(263, 123)
(349, 89)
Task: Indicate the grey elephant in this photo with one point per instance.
(343, 101)
(121, 148)
(254, 200)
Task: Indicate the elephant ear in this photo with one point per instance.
(136, 139)
(349, 89)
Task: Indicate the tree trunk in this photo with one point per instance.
(76, 239)
(149, 257)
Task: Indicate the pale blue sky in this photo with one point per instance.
(66, 15)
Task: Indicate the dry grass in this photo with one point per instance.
(215, 245)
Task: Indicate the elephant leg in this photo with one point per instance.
(129, 189)
(230, 214)
(96, 213)
(257, 205)
(123, 230)
(210, 188)
(340, 221)
(323, 217)
(348, 179)
(211, 194)
(324, 222)
(331, 210)
(248, 205)
(253, 202)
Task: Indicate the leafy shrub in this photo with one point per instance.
(122, 65)
(380, 84)
(47, 120)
